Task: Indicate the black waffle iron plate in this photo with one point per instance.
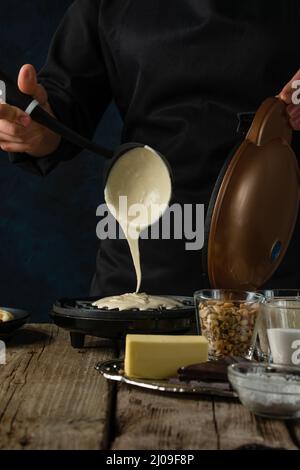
(80, 318)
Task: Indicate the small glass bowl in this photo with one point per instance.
(227, 319)
(270, 391)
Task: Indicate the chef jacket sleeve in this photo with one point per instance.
(76, 80)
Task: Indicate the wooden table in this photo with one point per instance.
(51, 397)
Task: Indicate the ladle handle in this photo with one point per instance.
(25, 102)
(42, 117)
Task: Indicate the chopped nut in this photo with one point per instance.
(217, 309)
(228, 326)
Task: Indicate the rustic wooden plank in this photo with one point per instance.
(239, 428)
(148, 420)
(50, 395)
(294, 428)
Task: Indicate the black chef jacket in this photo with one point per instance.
(179, 72)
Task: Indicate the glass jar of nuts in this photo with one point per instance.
(227, 319)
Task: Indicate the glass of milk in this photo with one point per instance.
(280, 327)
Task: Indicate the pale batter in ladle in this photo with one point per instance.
(143, 177)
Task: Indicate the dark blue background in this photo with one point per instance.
(47, 225)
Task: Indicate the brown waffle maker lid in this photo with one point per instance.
(255, 204)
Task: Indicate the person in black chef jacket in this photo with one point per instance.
(179, 72)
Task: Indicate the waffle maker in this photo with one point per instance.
(80, 318)
(249, 222)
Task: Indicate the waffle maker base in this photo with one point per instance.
(80, 318)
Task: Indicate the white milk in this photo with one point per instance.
(285, 345)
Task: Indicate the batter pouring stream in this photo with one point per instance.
(141, 176)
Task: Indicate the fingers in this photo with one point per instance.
(28, 84)
(287, 95)
(288, 90)
(27, 79)
(15, 134)
(294, 116)
(295, 125)
(6, 138)
(18, 132)
(14, 125)
(13, 114)
(41, 95)
(12, 129)
(14, 147)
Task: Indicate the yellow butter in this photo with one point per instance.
(160, 356)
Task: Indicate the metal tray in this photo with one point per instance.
(114, 370)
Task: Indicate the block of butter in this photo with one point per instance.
(160, 356)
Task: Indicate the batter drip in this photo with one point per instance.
(140, 301)
(142, 176)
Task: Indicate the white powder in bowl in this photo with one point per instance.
(269, 394)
